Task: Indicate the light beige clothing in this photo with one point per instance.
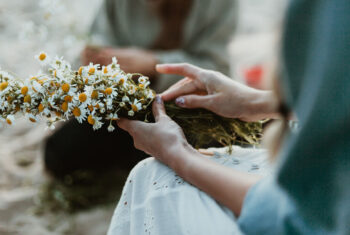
(207, 31)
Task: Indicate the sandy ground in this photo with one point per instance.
(21, 168)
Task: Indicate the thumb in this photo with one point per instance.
(195, 101)
(158, 108)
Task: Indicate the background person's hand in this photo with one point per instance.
(131, 60)
(214, 91)
(163, 139)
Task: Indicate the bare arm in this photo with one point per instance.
(226, 185)
(165, 141)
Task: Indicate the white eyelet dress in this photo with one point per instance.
(155, 201)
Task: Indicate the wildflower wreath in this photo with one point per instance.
(100, 95)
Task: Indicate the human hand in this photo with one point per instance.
(214, 91)
(131, 60)
(163, 139)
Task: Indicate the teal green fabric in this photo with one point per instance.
(310, 193)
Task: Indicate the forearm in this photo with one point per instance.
(228, 186)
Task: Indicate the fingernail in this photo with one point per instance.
(180, 101)
(159, 99)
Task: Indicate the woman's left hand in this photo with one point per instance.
(163, 139)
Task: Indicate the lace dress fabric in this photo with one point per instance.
(156, 201)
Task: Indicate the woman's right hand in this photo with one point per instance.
(216, 92)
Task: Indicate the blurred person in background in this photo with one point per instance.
(141, 34)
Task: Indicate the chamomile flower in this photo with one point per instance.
(109, 103)
(114, 66)
(79, 114)
(91, 70)
(5, 88)
(32, 118)
(112, 116)
(143, 82)
(43, 58)
(87, 94)
(10, 119)
(111, 92)
(121, 104)
(150, 94)
(136, 106)
(83, 98)
(125, 99)
(132, 89)
(95, 121)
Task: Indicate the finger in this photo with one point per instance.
(184, 89)
(195, 101)
(132, 126)
(158, 108)
(183, 69)
(180, 83)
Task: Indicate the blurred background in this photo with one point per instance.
(60, 27)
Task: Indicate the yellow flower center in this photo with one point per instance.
(3, 85)
(8, 121)
(105, 70)
(9, 99)
(65, 87)
(86, 81)
(91, 108)
(76, 112)
(64, 106)
(141, 85)
(27, 99)
(33, 78)
(82, 97)
(68, 98)
(94, 94)
(134, 108)
(24, 90)
(41, 108)
(42, 81)
(121, 81)
(55, 73)
(80, 71)
(92, 70)
(42, 56)
(32, 119)
(91, 120)
(58, 114)
(109, 91)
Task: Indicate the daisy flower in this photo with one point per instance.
(43, 58)
(10, 119)
(79, 114)
(143, 82)
(131, 90)
(111, 92)
(95, 121)
(136, 105)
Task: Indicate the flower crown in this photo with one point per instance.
(93, 93)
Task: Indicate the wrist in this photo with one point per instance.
(182, 156)
(264, 105)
